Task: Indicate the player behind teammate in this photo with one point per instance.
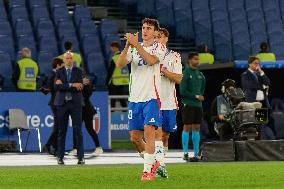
(171, 71)
(144, 89)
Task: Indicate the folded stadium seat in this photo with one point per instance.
(44, 28)
(129, 2)
(3, 14)
(146, 8)
(218, 5)
(23, 27)
(277, 49)
(15, 3)
(251, 5)
(274, 27)
(56, 3)
(272, 15)
(81, 13)
(36, 3)
(87, 28)
(165, 13)
(238, 14)
(6, 70)
(5, 28)
(107, 26)
(255, 15)
(48, 44)
(203, 35)
(183, 19)
(96, 66)
(60, 14)
(281, 6)
(271, 5)
(90, 44)
(44, 62)
(276, 37)
(18, 13)
(240, 26)
(200, 4)
(39, 13)
(7, 45)
(233, 4)
(221, 29)
(106, 45)
(223, 52)
(71, 39)
(27, 41)
(241, 50)
(65, 28)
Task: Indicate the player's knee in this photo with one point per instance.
(135, 140)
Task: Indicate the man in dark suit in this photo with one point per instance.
(57, 63)
(255, 83)
(69, 101)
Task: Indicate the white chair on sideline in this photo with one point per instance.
(18, 121)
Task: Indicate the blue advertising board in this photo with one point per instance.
(35, 106)
(119, 126)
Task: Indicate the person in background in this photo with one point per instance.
(76, 56)
(88, 113)
(264, 55)
(117, 79)
(204, 55)
(192, 89)
(25, 72)
(56, 63)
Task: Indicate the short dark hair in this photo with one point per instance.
(152, 22)
(251, 59)
(115, 44)
(263, 46)
(164, 31)
(68, 45)
(191, 55)
(55, 62)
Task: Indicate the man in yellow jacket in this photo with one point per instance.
(26, 72)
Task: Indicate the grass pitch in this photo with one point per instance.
(191, 175)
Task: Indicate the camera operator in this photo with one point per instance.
(255, 83)
(220, 109)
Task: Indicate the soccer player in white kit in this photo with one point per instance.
(171, 71)
(144, 90)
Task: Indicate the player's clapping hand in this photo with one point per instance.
(132, 38)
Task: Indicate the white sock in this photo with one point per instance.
(141, 154)
(149, 160)
(166, 149)
(159, 152)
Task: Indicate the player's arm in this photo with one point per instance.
(122, 60)
(172, 76)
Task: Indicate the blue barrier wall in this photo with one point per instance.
(35, 106)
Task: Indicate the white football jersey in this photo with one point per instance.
(145, 81)
(172, 63)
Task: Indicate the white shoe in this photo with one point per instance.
(98, 151)
(73, 152)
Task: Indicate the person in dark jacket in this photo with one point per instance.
(88, 113)
(56, 63)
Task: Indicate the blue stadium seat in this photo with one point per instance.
(277, 49)
(146, 8)
(27, 41)
(107, 27)
(48, 44)
(274, 27)
(256, 27)
(7, 45)
(233, 4)
(237, 15)
(252, 5)
(18, 13)
(271, 5)
(256, 15)
(39, 13)
(165, 13)
(241, 50)
(36, 3)
(223, 52)
(183, 19)
(45, 28)
(23, 27)
(81, 13)
(5, 28)
(87, 28)
(281, 6)
(272, 15)
(240, 27)
(106, 44)
(71, 39)
(200, 4)
(3, 14)
(60, 14)
(6, 69)
(276, 37)
(129, 2)
(203, 35)
(90, 44)
(222, 29)
(56, 3)
(44, 62)
(65, 28)
(15, 3)
(95, 65)
(218, 5)
(1, 4)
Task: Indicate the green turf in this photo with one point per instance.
(190, 176)
(121, 145)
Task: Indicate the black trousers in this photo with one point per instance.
(52, 140)
(118, 90)
(87, 116)
(63, 113)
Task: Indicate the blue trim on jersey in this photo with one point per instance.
(168, 120)
(142, 113)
